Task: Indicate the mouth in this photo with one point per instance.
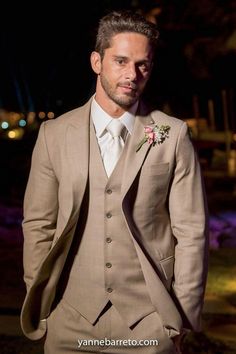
(128, 88)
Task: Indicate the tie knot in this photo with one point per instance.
(115, 127)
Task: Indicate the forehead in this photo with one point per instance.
(130, 44)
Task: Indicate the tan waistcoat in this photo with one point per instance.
(103, 263)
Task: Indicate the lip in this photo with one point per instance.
(126, 88)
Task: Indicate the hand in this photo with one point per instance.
(178, 340)
(177, 343)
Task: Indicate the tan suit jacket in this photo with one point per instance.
(162, 201)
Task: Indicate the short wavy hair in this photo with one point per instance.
(123, 21)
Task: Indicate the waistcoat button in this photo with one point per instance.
(108, 240)
(109, 290)
(108, 265)
(109, 215)
(109, 191)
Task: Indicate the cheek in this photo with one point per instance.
(142, 83)
(110, 73)
(145, 77)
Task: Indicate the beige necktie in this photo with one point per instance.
(114, 145)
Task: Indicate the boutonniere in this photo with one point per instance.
(154, 135)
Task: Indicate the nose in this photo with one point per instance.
(131, 73)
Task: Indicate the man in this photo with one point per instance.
(114, 214)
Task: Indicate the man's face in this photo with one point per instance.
(125, 68)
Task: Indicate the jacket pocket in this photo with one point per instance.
(156, 169)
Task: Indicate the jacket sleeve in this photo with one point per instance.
(40, 209)
(189, 221)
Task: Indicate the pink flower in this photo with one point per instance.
(148, 129)
(154, 135)
(151, 137)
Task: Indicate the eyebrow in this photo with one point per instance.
(138, 62)
(119, 57)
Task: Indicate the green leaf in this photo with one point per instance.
(143, 141)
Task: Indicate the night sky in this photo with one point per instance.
(44, 61)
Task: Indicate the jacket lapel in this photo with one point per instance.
(134, 159)
(77, 152)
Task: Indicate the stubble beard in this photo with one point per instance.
(125, 100)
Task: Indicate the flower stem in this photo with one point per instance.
(143, 141)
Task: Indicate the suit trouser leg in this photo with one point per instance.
(68, 332)
(147, 337)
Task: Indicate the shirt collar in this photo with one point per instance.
(101, 119)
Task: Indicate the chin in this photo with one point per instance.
(126, 101)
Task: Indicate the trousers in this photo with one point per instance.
(69, 332)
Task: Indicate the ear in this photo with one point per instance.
(95, 60)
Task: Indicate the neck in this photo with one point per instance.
(110, 107)
(112, 111)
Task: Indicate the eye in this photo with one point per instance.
(120, 61)
(144, 67)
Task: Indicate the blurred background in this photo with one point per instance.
(45, 71)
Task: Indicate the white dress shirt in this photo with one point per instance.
(101, 119)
